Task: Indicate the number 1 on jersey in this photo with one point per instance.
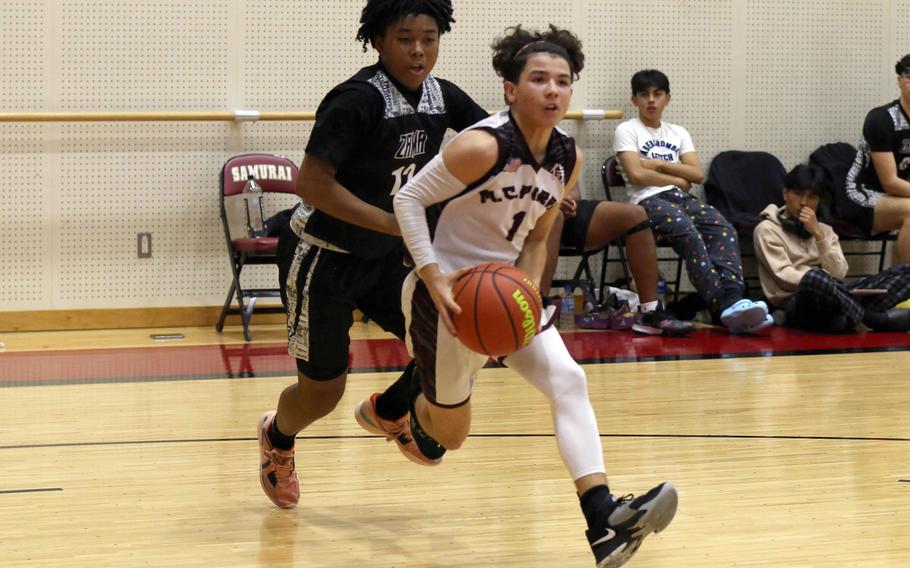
(516, 222)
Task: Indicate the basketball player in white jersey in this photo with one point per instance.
(492, 196)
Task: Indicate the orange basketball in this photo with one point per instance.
(500, 309)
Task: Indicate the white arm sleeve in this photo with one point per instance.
(433, 184)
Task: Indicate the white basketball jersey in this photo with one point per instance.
(490, 220)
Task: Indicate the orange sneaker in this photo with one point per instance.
(398, 430)
(276, 472)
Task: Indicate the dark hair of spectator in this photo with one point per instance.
(647, 78)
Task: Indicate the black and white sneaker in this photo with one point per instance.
(618, 533)
(661, 322)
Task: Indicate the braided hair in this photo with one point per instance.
(511, 52)
(378, 15)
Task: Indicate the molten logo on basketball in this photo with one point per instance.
(528, 323)
(500, 310)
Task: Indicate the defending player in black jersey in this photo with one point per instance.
(343, 250)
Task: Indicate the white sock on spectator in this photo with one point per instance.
(648, 307)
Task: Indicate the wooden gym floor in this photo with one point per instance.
(117, 450)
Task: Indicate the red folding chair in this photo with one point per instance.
(246, 246)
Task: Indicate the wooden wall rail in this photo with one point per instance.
(224, 116)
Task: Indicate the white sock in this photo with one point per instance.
(649, 307)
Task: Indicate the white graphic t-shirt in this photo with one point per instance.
(668, 142)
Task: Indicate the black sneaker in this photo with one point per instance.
(661, 322)
(618, 533)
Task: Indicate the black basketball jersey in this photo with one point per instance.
(886, 129)
(377, 135)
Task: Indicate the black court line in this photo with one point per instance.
(903, 480)
(369, 436)
(45, 490)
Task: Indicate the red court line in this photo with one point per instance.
(215, 361)
(205, 361)
(591, 347)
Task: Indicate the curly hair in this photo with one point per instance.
(511, 52)
(378, 15)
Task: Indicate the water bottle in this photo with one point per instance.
(661, 288)
(252, 194)
(567, 311)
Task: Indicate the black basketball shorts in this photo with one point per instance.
(575, 229)
(320, 289)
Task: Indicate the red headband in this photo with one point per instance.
(526, 46)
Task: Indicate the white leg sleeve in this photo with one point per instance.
(547, 365)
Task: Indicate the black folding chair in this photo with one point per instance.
(740, 185)
(836, 159)
(611, 178)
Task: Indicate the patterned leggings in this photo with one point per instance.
(705, 240)
(824, 303)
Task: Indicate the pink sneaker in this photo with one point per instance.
(398, 430)
(276, 472)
